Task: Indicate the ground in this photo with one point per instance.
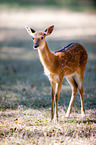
(25, 90)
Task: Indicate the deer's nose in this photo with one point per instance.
(36, 45)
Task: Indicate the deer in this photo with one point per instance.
(63, 63)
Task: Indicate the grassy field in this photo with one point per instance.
(25, 100)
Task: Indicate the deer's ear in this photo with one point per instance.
(49, 30)
(30, 30)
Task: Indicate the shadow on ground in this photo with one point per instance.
(22, 81)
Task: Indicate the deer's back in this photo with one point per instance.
(72, 52)
(70, 58)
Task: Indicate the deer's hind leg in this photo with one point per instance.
(79, 75)
(73, 84)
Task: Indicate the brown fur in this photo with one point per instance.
(65, 63)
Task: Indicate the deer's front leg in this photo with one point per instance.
(53, 85)
(57, 92)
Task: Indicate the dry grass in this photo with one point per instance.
(33, 126)
(24, 90)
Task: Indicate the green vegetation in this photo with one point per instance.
(67, 4)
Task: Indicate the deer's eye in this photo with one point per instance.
(33, 38)
(42, 38)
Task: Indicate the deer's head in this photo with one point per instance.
(39, 37)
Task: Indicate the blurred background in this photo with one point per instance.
(20, 68)
(70, 4)
(71, 18)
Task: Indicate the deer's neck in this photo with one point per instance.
(46, 57)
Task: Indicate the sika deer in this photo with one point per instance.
(65, 62)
